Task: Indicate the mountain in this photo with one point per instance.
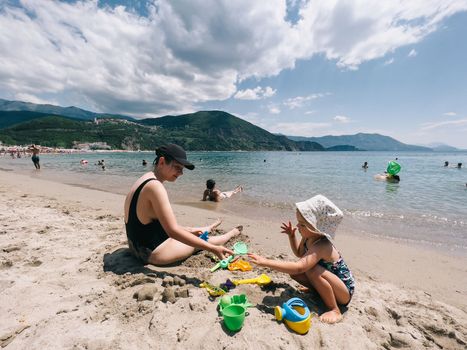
(441, 147)
(71, 112)
(362, 141)
(218, 130)
(207, 130)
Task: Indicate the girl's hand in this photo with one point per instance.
(288, 229)
(257, 259)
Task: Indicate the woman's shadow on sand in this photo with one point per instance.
(122, 261)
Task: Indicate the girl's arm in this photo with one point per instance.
(290, 231)
(290, 267)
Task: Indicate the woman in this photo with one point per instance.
(152, 230)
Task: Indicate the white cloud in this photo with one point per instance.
(32, 99)
(412, 53)
(342, 119)
(300, 101)
(389, 61)
(450, 114)
(450, 123)
(274, 109)
(185, 53)
(255, 94)
(298, 129)
(310, 112)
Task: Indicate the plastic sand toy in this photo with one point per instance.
(227, 300)
(228, 285)
(261, 280)
(295, 314)
(234, 316)
(212, 290)
(239, 248)
(241, 265)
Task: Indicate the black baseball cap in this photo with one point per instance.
(176, 152)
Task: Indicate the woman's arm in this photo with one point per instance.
(162, 208)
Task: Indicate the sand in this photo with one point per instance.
(67, 281)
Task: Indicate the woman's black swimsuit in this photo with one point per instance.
(143, 239)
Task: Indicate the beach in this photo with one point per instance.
(68, 281)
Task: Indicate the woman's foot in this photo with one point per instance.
(211, 227)
(215, 224)
(235, 232)
(332, 316)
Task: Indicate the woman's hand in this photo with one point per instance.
(257, 259)
(221, 252)
(288, 229)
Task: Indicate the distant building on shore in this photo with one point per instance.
(91, 146)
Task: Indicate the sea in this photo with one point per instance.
(428, 207)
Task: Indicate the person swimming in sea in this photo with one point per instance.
(388, 177)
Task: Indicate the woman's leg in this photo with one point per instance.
(331, 289)
(208, 228)
(222, 239)
(172, 250)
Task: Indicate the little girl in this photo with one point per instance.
(321, 265)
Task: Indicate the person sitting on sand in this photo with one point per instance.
(213, 194)
(388, 177)
(320, 266)
(153, 233)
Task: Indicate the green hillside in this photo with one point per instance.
(218, 131)
(211, 130)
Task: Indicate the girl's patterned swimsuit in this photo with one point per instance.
(340, 269)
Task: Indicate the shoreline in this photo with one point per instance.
(66, 268)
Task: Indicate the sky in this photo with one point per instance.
(302, 68)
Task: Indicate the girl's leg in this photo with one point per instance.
(303, 280)
(222, 239)
(331, 289)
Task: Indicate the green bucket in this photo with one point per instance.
(234, 316)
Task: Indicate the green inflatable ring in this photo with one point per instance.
(393, 168)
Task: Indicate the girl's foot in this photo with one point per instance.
(332, 316)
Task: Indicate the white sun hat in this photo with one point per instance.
(322, 214)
